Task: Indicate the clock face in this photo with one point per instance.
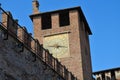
(58, 45)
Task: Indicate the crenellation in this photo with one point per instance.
(109, 74)
(9, 22)
(24, 36)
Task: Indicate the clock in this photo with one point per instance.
(58, 45)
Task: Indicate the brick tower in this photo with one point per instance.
(65, 33)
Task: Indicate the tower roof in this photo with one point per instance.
(78, 8)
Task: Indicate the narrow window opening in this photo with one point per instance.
(64, 18)
(46, 21)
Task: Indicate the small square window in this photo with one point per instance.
(64, 18)
(46, 21)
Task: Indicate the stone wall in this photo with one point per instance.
(17, 65)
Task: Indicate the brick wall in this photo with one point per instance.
(78, 63)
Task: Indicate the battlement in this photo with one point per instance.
(10, 27)
(108, 74)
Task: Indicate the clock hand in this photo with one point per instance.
(57, 46)
(51, 46)
(62, 46)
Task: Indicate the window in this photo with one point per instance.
(46, 21)
(64, 18)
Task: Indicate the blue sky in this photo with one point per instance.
(103, 17)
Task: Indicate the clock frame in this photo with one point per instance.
(57, 44)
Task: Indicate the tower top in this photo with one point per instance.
(35, 4)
